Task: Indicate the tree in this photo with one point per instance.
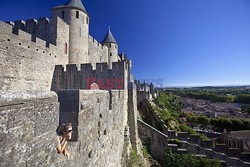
(246, 109)
(203, 121)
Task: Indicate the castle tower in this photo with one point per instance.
(75, 14)
(111, 43)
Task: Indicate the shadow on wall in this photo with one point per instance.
(69, 110)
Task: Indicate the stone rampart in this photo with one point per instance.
(81, 77)
(156, 140)
(26, 64)
(28, 123)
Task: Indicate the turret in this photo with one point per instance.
(75, 14)
(111, 43)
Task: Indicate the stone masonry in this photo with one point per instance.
(39, 57)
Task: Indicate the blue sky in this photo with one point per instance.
(182, 42)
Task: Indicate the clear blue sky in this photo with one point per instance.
(184, 42)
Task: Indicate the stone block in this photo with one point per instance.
(194, 139)
(183, 136)
(207, 144)
(173, 147)
(172, 134)
(220, 148)
(245, 156)
(234, 152)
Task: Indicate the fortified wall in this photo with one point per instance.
(28, 122)
(40, 88)
(98, 52)
(26, 63)
(82, 76)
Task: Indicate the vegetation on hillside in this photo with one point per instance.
(190, 131)
(219, 124)
(228, 95)
(170, 111)
(169, 102)
(246, 109)
(186, 160)
(135, 159)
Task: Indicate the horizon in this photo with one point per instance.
(204, 85)
(184, 43)
(201, 86)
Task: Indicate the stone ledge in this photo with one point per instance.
(16, 98)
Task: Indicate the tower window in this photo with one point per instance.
(66, 48)
(110, 45)
(87, 20)
(63, 14)
(110, 54)
(116, 46)
(77, 14)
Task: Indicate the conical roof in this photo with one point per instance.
(109, 38)
(77, 4)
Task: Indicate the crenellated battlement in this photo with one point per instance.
(82, 76)
(97, 51)
(28, 62)
(36, 27)
(14, 37)
(96, 43)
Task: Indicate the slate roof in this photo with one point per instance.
(109, 38)
(77, 4)
(240, 134)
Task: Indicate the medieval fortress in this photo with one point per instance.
(53, 71)
(63, 40)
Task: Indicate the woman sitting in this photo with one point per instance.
(64, 133)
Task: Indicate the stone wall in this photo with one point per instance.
(54, 31)
(26, 64)
(196, 149)
(141, 96)
(27, 128)
(156, 140)
(36, 27)
(75, 77)
(132, 116)
(78, 33)
(99, 122)
(28, 122)
(98, 53)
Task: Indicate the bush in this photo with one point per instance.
(175, 141)
(146, 154)
(187, 160)
(246, 109)
(190, 131)
(219, 124)
(185, 128)
(135, 159)
(230, 124)
(243, 99)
